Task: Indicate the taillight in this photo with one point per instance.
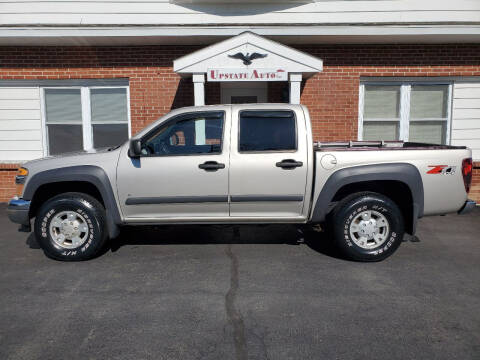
(467, 168)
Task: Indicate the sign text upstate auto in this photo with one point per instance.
(251, 74)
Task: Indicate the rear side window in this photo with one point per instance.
(267, 131)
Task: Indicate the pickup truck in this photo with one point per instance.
(241, 164)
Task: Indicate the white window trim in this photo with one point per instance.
(361, 108)
(86, 119)
(87, 129)
(405, 92)
(43, 121)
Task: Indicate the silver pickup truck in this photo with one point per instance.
(238, 164)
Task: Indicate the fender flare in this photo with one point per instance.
(87, 173)
(402, 172)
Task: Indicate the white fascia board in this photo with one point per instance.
(186, 35)
(232, 30)
(182, 64)
(182, 2)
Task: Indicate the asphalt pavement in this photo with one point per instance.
(243, 292)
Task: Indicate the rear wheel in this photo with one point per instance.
(71, 227)
(367, 226)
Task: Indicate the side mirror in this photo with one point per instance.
(135, 149)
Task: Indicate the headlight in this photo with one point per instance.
(22, 174)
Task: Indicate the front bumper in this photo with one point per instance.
(467, 207)
(18, 211)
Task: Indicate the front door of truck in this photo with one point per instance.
(183, 172)
(268, 163)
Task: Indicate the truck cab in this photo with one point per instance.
(223, 163)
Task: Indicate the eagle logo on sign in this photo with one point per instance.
(247, 58)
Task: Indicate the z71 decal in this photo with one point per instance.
(442, 169)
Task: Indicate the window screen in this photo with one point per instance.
(431, 132)
(109, 116)
(428, 102)
(267, 131)
(381, 112)
(196, 134)
(380, 130)
(63, 110)
(382, 102)
(428, 114)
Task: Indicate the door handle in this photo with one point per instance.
(211, 166)
(289, 164)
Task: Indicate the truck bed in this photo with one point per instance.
(379, 145)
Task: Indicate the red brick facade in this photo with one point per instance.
(7, 181)
(475, 190)
(332, 95)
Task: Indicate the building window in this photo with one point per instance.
(63, 109)
(415, 112)
(83, 118)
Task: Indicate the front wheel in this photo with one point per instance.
(71, 227)
(367, 226)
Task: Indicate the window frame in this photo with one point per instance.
(85, 99)
(266, 151)
(181, 117)
(405, 102)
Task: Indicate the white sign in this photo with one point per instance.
(251, 74)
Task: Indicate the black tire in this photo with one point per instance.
(345, 212)
(92, 212)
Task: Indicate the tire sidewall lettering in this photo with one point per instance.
(372, 205)
(84, 212)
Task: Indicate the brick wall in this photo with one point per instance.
(7, 181)
(332, 96)
(475, 189)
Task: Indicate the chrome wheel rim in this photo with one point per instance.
(369, 229)
(69, 229)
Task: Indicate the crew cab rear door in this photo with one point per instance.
(268, 162)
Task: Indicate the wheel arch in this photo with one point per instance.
(89, 179)
(401, 182)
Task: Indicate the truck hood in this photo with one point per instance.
(69, 154)
(104, 157)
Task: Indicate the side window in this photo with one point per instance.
(267, 131)
(187, 135)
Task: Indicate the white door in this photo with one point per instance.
(268, 163)
(243, 92)
(183, 172)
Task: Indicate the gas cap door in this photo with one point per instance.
(328, 161)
